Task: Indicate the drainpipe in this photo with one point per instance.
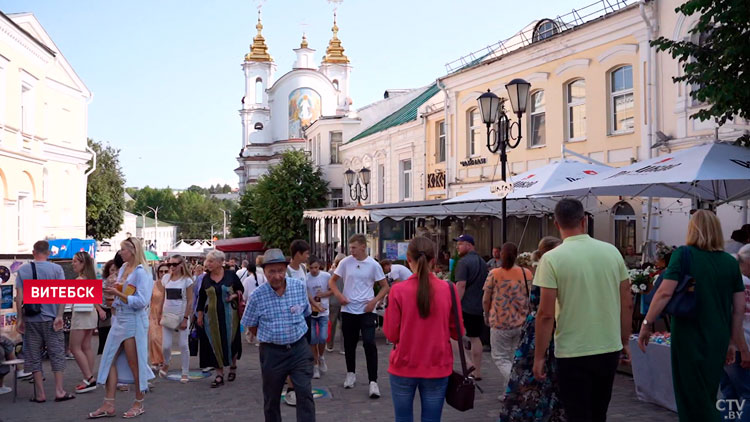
(448, 137)
(424, 163)
(652, 113)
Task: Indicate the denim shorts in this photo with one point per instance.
(319, 330)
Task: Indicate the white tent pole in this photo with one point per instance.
(581, 156)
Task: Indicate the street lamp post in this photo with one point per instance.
(358, 188)
(224, 229)
(156, 223)
(492, 109)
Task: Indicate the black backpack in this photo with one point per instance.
(32, 309)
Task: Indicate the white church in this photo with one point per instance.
(276, 111)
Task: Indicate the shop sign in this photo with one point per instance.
(501, 189)
(474, 161)
(436, 180)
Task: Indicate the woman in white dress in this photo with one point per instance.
(176, 311)
(125, 354)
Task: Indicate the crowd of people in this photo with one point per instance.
(560, 323)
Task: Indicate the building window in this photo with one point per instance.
(336, 84)
(381, 183)
(318, 159)
(701, 39)
(335, 138)
(474, 124)
(440, 142)
(337, 198)
(24, 217)
(621, 100)
(544, 29)
(576, 115)
(258, 126)
(258, 91)
(405, 179)
(625, 230)
(536, 119)
(27, 109)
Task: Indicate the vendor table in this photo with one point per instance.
(652, 374)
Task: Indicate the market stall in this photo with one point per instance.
(652, 371)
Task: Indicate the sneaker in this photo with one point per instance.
(85, 386)
(342, 352)
(21, 374)
(290, 398)
(316, 372)
(329, 348)
(374, 390)
(5, 390)
(351, 378)
(323, 365)
(207, 369)
(70, 356)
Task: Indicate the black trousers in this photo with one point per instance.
(586, 385)
(278, 362)
(351, 326)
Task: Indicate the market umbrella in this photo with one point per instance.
(150, 256)
(716, 172)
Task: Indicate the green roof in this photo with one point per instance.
(405, 114)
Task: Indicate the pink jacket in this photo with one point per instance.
(421, 346)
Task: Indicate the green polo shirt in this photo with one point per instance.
(587, 274)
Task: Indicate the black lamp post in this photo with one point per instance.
(492, 109)
(358, 187)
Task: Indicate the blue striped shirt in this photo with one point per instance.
(280, 319)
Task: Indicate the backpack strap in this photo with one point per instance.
(461, 353)
(33, 269)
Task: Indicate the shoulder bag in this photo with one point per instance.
(32, 309)
(460, 392)
(684, 301)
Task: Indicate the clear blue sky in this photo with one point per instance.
(166, 74)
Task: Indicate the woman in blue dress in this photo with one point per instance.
(526, 399)
(125, 355)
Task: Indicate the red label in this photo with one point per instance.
(62, 291)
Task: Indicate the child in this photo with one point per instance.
(317, 289)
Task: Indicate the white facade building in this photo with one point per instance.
(156, 238)
(43, 150)
(276, 112)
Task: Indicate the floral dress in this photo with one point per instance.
(526, 399)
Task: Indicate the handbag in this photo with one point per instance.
(171, 321)
(193, 340)
(684, 301)
(32, 309)
(460, 392)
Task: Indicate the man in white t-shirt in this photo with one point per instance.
(243, 272)
(317, 288)
(394, 272)
(358, 300)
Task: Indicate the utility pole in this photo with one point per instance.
(224, 230)
(156, 223)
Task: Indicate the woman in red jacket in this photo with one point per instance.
(419, 322)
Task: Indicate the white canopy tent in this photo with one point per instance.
(197, 248)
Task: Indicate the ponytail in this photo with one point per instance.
(422, 251)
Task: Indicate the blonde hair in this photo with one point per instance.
(134, 246)
(89, 272)
(704, 231)
(183, 266)
(259, 260)
(338, 258)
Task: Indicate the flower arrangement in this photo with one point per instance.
(526, 260)
(662, 250)
(641, 280)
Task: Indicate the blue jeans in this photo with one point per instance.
(319, 330)
(735, 385)
(431, 394)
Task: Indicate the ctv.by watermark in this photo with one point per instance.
(732, 409)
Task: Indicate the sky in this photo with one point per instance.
(166, 74)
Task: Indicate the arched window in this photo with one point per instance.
(624, 216)
(336, 84)
(544, 29)
(474, 125)
(258, 126)
(575, 96)
(536, 119)
(622, 110)
(258, 91)
(702, 39)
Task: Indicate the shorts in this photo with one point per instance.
(319, 330)
(84, 320)
(38, 336)
(474, 324)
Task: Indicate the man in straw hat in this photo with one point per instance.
(284, 351)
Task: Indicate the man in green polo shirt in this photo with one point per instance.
(584, 286)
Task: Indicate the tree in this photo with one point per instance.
(242, 221)
(279, 198)
(105, 193)
(718, 67)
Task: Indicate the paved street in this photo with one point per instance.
(243, 400)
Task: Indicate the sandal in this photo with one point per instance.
(218, 381)
(184, 379)
(134, 411)
(86, 385)
(232, 373)
(34, 400)
(66, 397)
(162, 373)
(99, 413)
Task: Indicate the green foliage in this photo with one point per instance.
(719, 68)
(277, 201)
(105, 199)
(242, 220)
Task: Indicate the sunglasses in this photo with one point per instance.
(173, 264)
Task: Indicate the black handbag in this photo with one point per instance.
(193, 340)
(684, 301)
(32, 309)
(460, 392)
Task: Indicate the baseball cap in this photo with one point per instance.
(464, 238)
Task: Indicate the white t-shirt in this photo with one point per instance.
(399, 272)
(319, 284)
(359, 277)
(250, 284)
(242, 273)
(179, 289)
(299, 273)
(261, 276)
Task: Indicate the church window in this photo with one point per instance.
(336, 84)
(258, 91)
(259, 126)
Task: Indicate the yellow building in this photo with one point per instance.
(587, 82)
(43, 150)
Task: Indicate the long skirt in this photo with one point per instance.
(126, 325)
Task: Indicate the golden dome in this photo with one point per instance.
(304, 41)
(335, 52)
(259, 49)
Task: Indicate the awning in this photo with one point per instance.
(241, 244)
(338, 214)
(438, 209)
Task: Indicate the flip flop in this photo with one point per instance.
(34, 400)
(66, 397)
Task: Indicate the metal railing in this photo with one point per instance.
(523, 38)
